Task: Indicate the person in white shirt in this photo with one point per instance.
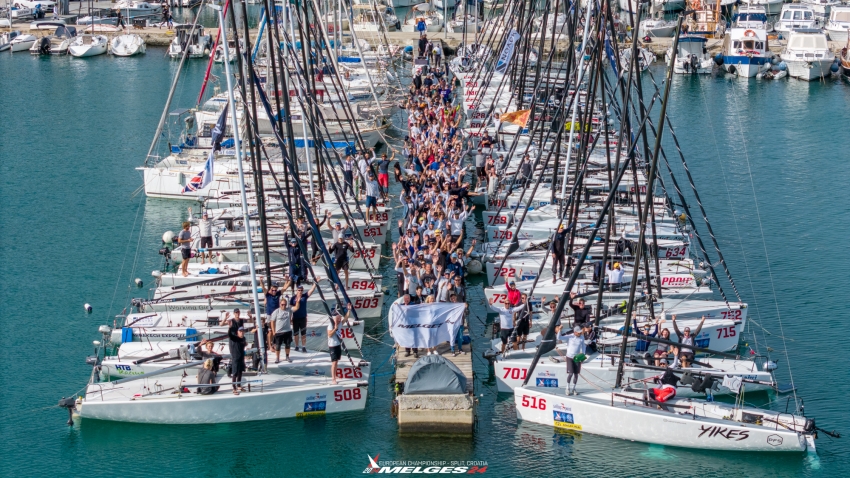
(615, 276)
(334, 339)
(575, 348)
(506, 321)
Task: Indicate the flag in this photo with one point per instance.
(204, 178)
(218, 131)
(507, 52)
(519, 118)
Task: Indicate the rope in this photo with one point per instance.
(763, 241)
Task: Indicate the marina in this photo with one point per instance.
(477, 249)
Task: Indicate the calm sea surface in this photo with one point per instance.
(768, 159)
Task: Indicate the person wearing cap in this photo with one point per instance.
(615, 276)
(340, 251)
(514, 296)
(373, 189)
(299, 315)
(506, 321)
(581, 314)
(281, 320)
(575, 356)
(205, 227)
(295, 261)
(272, 295)
(334, 339)
(686, 341)
(237, 357)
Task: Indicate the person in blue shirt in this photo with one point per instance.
(272, 294)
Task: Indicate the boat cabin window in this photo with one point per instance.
(759, 45)
(841, 17)
(786, 15)
(807, 15)
(798, 15)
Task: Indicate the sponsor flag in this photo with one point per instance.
(519, 118)
(507, 52)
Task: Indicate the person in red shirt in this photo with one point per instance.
(514, 295)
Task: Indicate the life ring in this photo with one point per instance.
(749, 33)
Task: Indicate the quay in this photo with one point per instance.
(435, 414)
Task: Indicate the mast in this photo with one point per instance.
(650, 181)
(239, 155)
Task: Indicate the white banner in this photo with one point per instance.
(425, 325)
(507, 52)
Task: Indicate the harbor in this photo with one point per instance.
(474, 253)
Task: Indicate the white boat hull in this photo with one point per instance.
(603, 414)
(274, 398)
(809, 71)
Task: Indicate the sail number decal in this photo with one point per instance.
(366, 303)
(726, 332)
(497, 298)
(516, 373)
(363, 284)
(502, 234)
(349, 373)
(497, 220)
(497, 202)
(505, 272)
(533, 402)
(372, 232)
(381, 216)
(370, 253)
(731, 314)
(346, 395)
(676, 251)
(346, 333)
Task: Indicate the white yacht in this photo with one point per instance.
(192, 38)
(132, 8)
(466, 19)
(368, 19)
(424, 12)
(821, 7)
(128, 45)
(771, 7)
(7, 38)
(794, 16)
(88, 45)
(807, 55)
(56, 44)
(656, 28)
(839, 23)
(751, 16)
(692, 57)
(746, 52)
(22, 42)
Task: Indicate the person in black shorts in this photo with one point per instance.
(184, 239)
(299, 315)
(340, 251)
(282, 325)
(334, 340)
(523, 323)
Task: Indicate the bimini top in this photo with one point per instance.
(693, 39)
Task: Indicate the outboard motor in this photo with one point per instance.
(694, 63)
(44, 46)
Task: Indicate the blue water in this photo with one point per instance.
(75, 231)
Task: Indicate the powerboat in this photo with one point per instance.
(466, 19)
(838, 23)
(88, 45)
(218, 54)
(657, 28)
(821, 8)
(692, 57)
(55, 44)
(771, 7)
(192, 38)
(365, 18)
(745, 52)
(807, 55)
(423, 12)
(794, 16)
(7, 38)
(751, 16)
(22, 42)
(128, 45)
(132, 8)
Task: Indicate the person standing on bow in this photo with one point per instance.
(506, 322)
(334, 339)
(575, 356)
(184, 239)
(299, 315)
(237, 357)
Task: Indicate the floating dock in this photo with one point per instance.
(434, 414)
